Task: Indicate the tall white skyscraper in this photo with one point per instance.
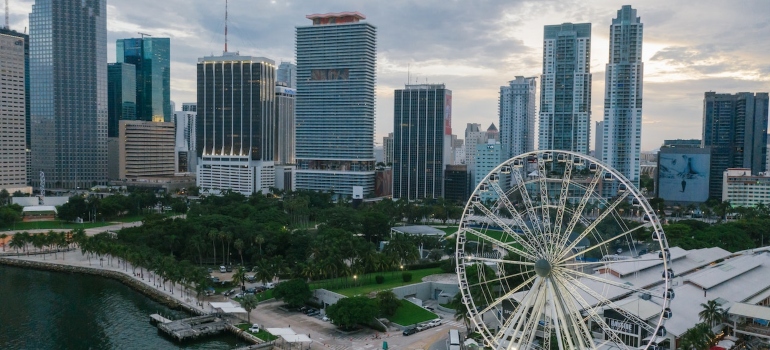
(13, 174)
(517, 116)
(623, 95)
(565, 94)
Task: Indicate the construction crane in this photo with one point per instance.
(7, 16)
(140, 33)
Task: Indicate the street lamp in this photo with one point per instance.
(355, 280)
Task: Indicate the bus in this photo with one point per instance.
(454, 340)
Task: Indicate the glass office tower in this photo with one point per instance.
(68, 87)
(152, 58)
(336, 71)
(121, 79)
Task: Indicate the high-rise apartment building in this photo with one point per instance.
(190, 107)
(488, 156)
(235, 125)
(285, 125)
(27, 122)
(517, 116)
(68, 86)
(599, 140)
(565, 93)
(13, 158)
(735, 127)
(184, 123)
(387, 148)
(121, 95)
(287, 73)
(152, 58)
(422, 116)
(336, 72)
(622, 134)
(146, 149)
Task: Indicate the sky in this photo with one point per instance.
(474, 47)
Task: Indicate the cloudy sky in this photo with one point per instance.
(474, 47)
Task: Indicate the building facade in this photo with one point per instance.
(742, 189)
(421, 115)
(68, 87)
(517, 116)
(152, 59)
(488, 157)
(285, 125)
(735, 127)
(622, 134)
(235, 124)
(565, 93)
(27, 122)
(13, 158)
(146, 149)
(336, 73)
(121, 95)
(387, 148)
(186, 159)
(456, 184)
(287, 73)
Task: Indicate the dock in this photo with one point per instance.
(193, 328)
(157, 319)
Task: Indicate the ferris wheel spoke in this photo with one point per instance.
(563, 195)
(512, 262)
(530, 329)
(505, 246)
(517, 217)
(504, 278)
(581, 332)
(506, 330)
(527, 316)
(600, 244)
(592, 314)
(607, 282)
(606, 302)
(608, 263)
(578, 213)
(547, 230)
(531, 214)
(592, 226)
(508, 230)
(507, 296)
(562, 322)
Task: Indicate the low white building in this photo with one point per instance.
(743, 189)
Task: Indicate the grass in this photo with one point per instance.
(408, 314)
(63, 225)
(366, 283)
(449, 230)
(262, 334)
(268, 294)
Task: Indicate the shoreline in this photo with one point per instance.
(124, 278)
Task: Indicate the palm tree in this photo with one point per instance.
(239, 277)
(712, 312)
(213, 234)
(238, 245)
(17, 242)
(461, 311)
(249, 302)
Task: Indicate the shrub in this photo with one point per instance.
(406, 276)
(448, 265)
(379, 279)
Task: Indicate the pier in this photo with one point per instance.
(156, 319)
(192, 328)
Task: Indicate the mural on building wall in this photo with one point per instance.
(683, 177)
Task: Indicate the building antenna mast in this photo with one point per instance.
(7, 14)
(225, 25)
(143, 34)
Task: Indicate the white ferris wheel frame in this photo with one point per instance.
(561, 295)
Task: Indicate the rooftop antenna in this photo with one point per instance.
(225, 25)
(143, 34)
(7, 14)
(408, 78)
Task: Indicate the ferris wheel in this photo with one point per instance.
(556, 250)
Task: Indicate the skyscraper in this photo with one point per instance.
(623, 96)
(68, 86)
(152, 58)
(336, 72)
(13, 173)
(735, 127)
(517, 116)
(387, 148)
(565, 94)
(235, 123)
(27, 122)
(184, 121)
(285, 125)
(121, 95)
(287, 73)
(422, 114)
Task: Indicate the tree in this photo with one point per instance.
(712, 313)
(3, 236)
(238, 245)
(696, 338)
(249, 302)
(294, 293)
(461, 310)
(239, 277)
(388, 302)
(348, 312)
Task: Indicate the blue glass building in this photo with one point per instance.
(121, 95)
(336, 71)
(68, 92)
(152, 58)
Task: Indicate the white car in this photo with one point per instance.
(269, 285)
(325, 319)
(422, 327)
(222, 269)
(254, 328)
(435, 323)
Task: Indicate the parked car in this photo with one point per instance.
(260, 289)
(410, 331)
(269, 285)
(251, 291)
(210, 291)
(229, 292)
(313, 312)
(435, 323)
(325, 319)
(303, 309)
(214, 280)
(222, 269)
(254, 328)
(229, 268)
(422, 327)
(251, 278)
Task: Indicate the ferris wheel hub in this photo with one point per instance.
(543, 268)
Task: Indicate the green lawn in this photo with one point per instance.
(262, 334)
(367, 284)
(449, 229)
(55, 225)
(268, 294)
(409, 314)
